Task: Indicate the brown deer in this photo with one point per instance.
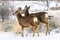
(40, 15)
(26, 21)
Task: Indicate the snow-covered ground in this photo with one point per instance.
(12, 36)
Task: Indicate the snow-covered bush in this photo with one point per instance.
(52, 24)
(7, 25)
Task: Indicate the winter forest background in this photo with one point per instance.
(9, 23)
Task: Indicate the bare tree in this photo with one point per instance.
(5, 9)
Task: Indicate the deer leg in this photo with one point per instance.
(27, 34)
(37, 31)
(40, 27)
(35, 21)
(33, 32)
(47, 31)
(47, 25)
(22, 32)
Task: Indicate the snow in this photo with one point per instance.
(42, 36)
(34, 5)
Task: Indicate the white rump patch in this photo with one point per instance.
(35, 19)
(46, 15)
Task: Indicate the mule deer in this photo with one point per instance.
(40, 15)
(26, 21)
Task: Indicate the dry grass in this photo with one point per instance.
(16, 28)
(1, 28)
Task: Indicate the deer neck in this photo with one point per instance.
(19, 16)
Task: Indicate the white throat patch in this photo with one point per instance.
(23, 15)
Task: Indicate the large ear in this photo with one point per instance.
(28, 7)
(13, 14)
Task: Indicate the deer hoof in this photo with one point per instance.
(46, 34)
(49, 33)
(33, 35)
(22, 35)
(38, 35)
(26, 34)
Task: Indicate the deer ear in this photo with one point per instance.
(13, 14)
(28, 7)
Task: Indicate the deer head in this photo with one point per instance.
(18, 11)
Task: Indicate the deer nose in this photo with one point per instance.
(12, 14)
